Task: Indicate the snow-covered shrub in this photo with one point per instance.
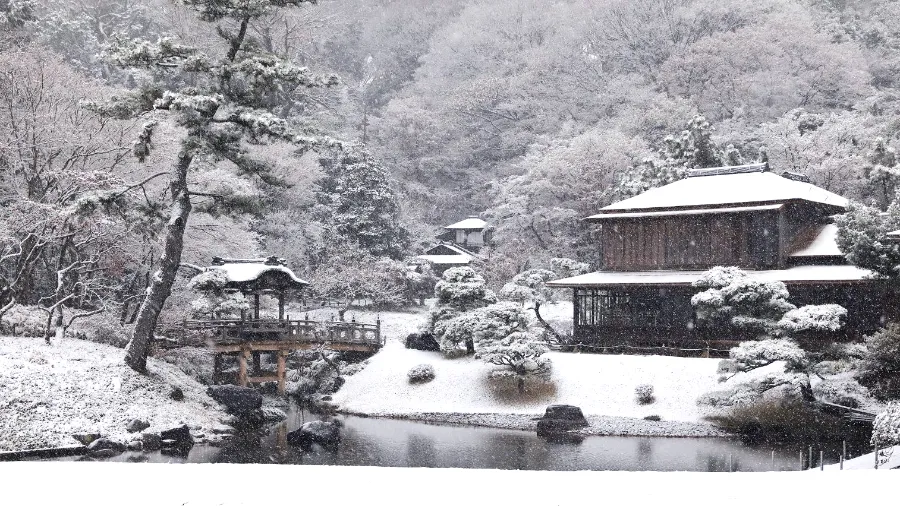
(567, 267)
(27, 321)
(644, 394)
(845, 351)
(739, 395)
(779, 421)
(886, 430)
(846, 392)
(529, 286)
(820, 318)
(751, 355)
(879, 369)
(462, 287)
(520, 356)
(195, 362)
(103, 328)
(732, 300)
(832, 367)
(422, 373)
(214, 299)
(490, 323)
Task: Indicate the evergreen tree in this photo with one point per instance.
(223, 104)
(359, 205)
(882, 173)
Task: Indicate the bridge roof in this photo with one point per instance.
(249, 274)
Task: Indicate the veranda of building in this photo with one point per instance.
(655, 245)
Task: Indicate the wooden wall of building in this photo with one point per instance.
(749, 240)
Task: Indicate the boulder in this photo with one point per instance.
(86, 439)
(105, 444)
(176, 394)
(135, 445)
(317, 431)
(136, 425)
(560, 418)
(423, 341)
(237, 400)
(104, 453)
(151, 441)
(179, 436)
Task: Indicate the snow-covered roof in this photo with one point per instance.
(893, 235)
(447, 259)
(470, 223)
(801, 274)
(686, 212)
(244, 271)
(720, 189)
(823, 243)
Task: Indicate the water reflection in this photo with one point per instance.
(395, 443)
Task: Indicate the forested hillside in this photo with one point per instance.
(532, 113)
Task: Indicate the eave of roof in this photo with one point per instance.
(683, 212)
(468, 224)
(801, 274)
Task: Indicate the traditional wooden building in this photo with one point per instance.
(655, 245)
(460, 245)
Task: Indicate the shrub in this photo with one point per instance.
(781, 422)
(821, 318)
(879, 369)
(422, 341)
(103, 328)
(886, 430)
(422, 373)
(846, 392)
(644, 394)
(27, 321)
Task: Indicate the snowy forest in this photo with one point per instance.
(368, 125)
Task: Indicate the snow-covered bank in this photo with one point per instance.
(48, 393)
(602, 385)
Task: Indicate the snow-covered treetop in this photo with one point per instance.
(824, 317)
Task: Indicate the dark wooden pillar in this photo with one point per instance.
(281, 305)
(256, 306)
(257, 366)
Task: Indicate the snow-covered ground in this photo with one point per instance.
(107, 483)
(48, 393)
(867, 461)
(602, 385)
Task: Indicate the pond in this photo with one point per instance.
(398, 443)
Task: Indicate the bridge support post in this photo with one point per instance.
(243, 357)
(281, 367)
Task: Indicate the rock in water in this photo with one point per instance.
(317, 431)
(151, 442)
(237, 400)
(105, 444)
(180, 436)
(105, 453)
(136, 425)
(86, 439)
(560, 418)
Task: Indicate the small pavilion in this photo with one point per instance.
(253, 334)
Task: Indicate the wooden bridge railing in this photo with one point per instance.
(306, 331)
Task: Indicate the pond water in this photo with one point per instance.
(397, 443)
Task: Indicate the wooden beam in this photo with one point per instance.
(256, 305)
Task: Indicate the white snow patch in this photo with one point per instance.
(598, 384)
(48, 393)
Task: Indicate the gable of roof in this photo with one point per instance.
(470, 223)
(257, 273)
(712, 188)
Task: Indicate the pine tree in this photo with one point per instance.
(222, 104)
(359, 204)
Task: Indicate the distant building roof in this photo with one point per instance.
(895, 235)
(457, 255)
(257, 273)
(727, 186)
(819, 242)
(685, 212)
(801, 274)
(470, 223)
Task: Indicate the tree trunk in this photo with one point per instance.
(521, 384)
(161, 284)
